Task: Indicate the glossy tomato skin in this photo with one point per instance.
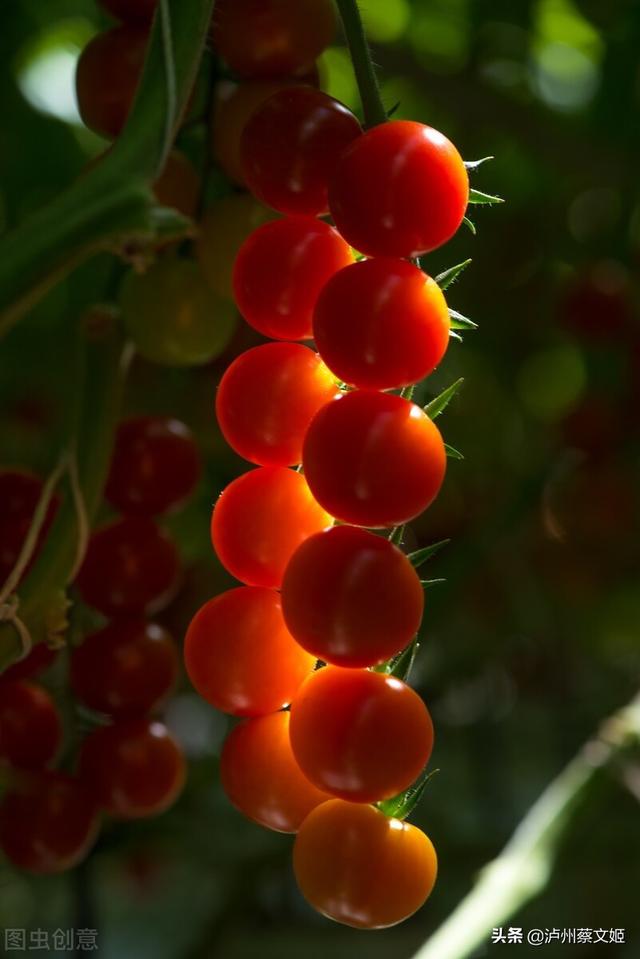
(178, 186)
(359, 735)
(260, 519)
(131, 567)
(155, 466)
(356, 866)
(135, 768)
(272, 38)
(399, 190)
(130, 10)
(381, 324)
(125, 669)
(107, 77)
(280, 271)
(223, 229)
(30, 727)
(351, 598)
(240, 656)
(373, 459)
(267, 398)
(20, 491)
(48, 822)
(290, 149)
(261, 777)
(173, 316)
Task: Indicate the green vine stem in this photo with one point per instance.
(523, 868)
(372, 106)
(114, 199)
(43, 604)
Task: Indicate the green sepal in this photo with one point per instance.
(447, 277)
(467, 222)
(474, 164)
(460, 322)
(435, 407)
(452, 452)
(396, 535)
(400, 666)
(476, 196)
(420, 556)
(426, 583)
(402, 805)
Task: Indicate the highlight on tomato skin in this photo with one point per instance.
(134, 768)
(351, 598)
(261, 778)
(281, 269)
(358, 867)
(401, 189)
(362, 736)
(264, 39)
(373, 459)
(290, 148)
(48, 822)
(266, 399)
(381, 324)
(260, 519)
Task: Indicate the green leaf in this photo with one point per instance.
(440, 402)
(420, 556)
(402, 805)
(400, 666)
(396, 535)
(476, 196)
(467, 222)
(426, 583)
(455, 336)
(394, 109)
(447, 277)
(453, 453)
(460, 322)
(474, 164)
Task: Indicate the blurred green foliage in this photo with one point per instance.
(534, 636)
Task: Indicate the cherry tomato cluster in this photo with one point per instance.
(316, 748)
(128, 765)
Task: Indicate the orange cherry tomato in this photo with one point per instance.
(233, 107)
(30, 727)
(267, 398)
(351, 598)
(381, 324)
(240, 656)
(272, 38)
(135, 768)
(48, 822)
(107, 77)
(356, 866)
(261, 777)
(291, 146)
(260, 519)
(280, 271)
(178, 186)
(401, 189)
(373, 459)
(360, 735)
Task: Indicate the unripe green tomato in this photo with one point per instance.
(173, 316)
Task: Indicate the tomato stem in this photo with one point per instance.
(372, 105)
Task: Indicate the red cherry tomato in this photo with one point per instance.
(240, 656)
(155, 466)
(131, 567)
(135, 768)
(134, 10)
(290, 149)
(356, 866)
(351, 598)
(401, 189)
(359, 735)
(48, 822)
(260, 519)
(280, 271)
(126, 668)
(373, 459)
(381, 324)
(272, 38)
(267, 398)
(178, 186)
(107, 77)
(19, 495)
(261, 777)
(35, 662)
(30, 727)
